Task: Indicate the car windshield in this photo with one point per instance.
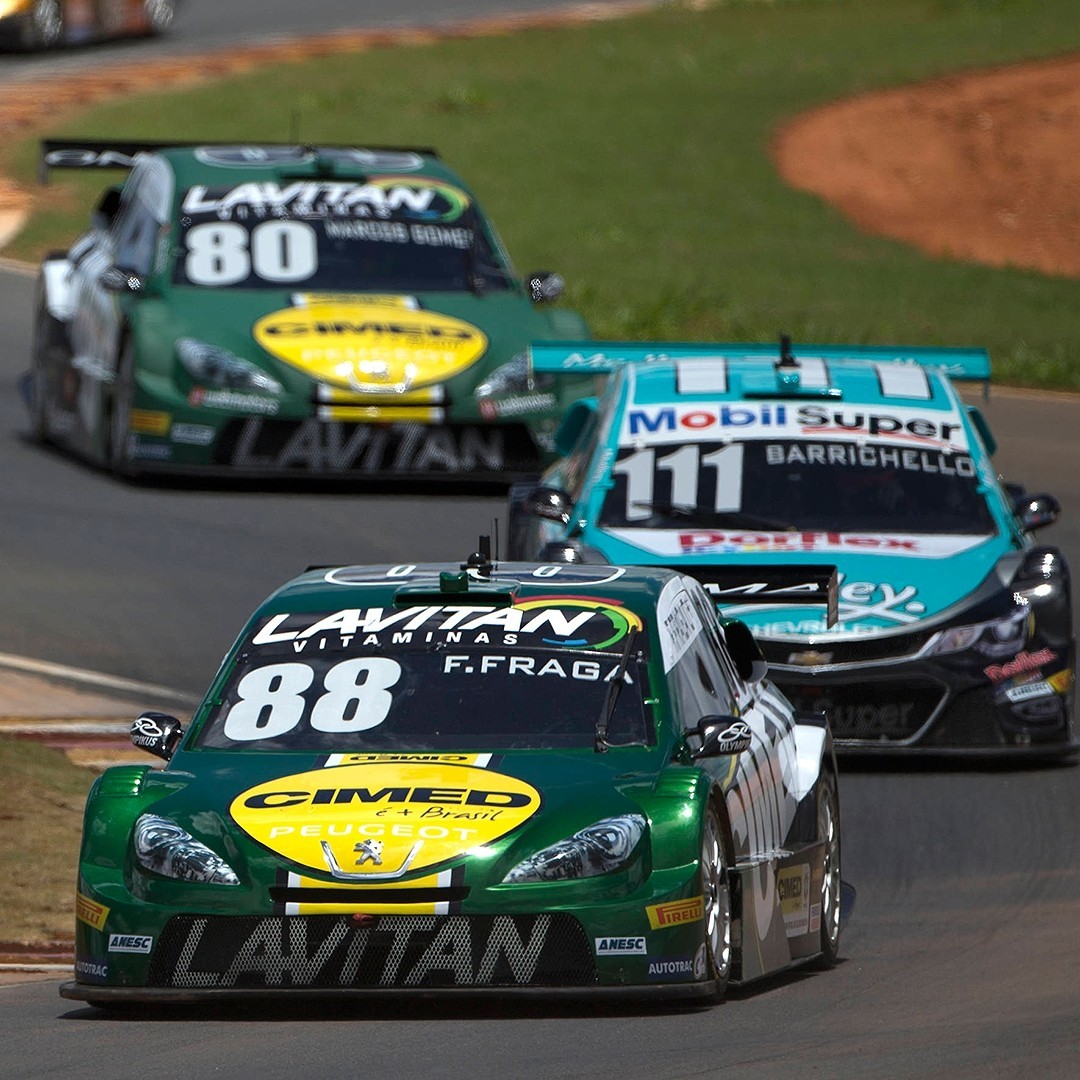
(393, 234)
(779, 485)
(441, 691)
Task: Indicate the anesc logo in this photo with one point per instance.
(383, 820)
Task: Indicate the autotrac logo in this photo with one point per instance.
(371, 347)
(576, 622)
(380, 821)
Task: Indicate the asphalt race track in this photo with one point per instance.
(963, 956)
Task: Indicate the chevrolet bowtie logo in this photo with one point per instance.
(810, 658)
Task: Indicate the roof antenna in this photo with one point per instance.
(787, 357)
(479, 562)
(495, 530)
(787, 367)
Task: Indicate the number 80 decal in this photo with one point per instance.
(356, 696)
(218, 253)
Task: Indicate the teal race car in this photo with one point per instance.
(266, 310)
(474, 777)
(954, 630)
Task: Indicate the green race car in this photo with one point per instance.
(433, 778)
(289, 311)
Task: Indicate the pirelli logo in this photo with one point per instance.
(89, 912)
(676, 912)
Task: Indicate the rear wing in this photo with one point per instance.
(603, 357)
(91, 154)
(730, 585)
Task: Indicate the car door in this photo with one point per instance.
(128, 241)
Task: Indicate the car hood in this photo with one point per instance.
(887, 582)
(367, 342)
(369, 819)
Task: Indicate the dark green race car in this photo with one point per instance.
(283, 310)
(426, 778)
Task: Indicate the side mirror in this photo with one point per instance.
(744, 651)
(158, 733)
(119, 279)
(721, 735)
(1036, 511)
(544, 286)
(549, 503)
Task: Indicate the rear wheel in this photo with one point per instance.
(716, 892)
(829, 834)
(159, 14)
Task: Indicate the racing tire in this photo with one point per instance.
(159, 15)
(44, 25)
(118, 432)
(50, 341)
(515, 521)
(828, 816)
(716, 893)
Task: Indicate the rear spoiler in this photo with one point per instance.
(779, 585)
(603, 357)
(120, 153)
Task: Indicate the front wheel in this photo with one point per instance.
(119, 430)
(44, 26)
(47, 355)
(716, 892)
(516, 523)
(829, 835)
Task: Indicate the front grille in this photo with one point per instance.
(327, 951)
(853, 649)
(892, 711)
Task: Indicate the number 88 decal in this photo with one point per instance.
(356, 697)
(280, 251)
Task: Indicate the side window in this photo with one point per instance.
(577, 464)
(596, 432)
(135, 234)
(699, 683)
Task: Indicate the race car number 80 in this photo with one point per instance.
(280, 251)
(356, 696)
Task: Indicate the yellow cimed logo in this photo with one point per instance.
(381, 821)
(371, 347)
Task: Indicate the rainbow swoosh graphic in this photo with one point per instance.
(622, 620)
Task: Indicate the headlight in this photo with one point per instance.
(994, 638)
(166, 849)
(599, 849)
(513, 377)
(212, 366)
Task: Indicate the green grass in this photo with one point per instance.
(633, 157)
(41, 809)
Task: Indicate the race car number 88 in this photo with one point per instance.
(356, 696)
(280, 251)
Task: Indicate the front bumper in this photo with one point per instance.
(959, 704)
(499, 939)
